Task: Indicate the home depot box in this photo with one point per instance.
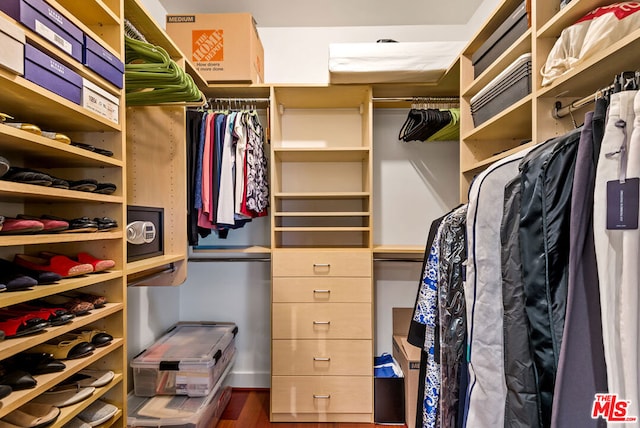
(408, 356)
(223, 47)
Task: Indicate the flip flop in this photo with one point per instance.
(33, 415)
(62, 265)
(91, 377)
(64, 395)
(27, 176)
(4, 166)
(97, 413)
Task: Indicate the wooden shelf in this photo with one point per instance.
(45, 152)
(322, 195)
(209, 249)
(568, 15)
(335, 154)
(220, 90)
(92, 13)
(28, 102)
(321, 214)
(499, 15)
(57, 238)
(13, 346)
(47, 381)
(478, 166)
(152, 263)
(19, 192)
(597, 71)
(69, 412)
(322, 96)
(520, 47)
(398, 249)
(514, 122)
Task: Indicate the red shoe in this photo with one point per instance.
(98, 264)
(14, 226)
(62, 265)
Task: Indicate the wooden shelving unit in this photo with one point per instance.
(28, 102)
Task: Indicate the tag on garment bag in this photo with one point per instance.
(622, 204)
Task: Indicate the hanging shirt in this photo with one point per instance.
(226, 207)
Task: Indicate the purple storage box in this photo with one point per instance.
(45, 71)
(102, 61)
(47, 22)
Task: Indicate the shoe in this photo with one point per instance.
(4, 166)
(65, 395)
(42, 277)
(97, 338)
(90, 377)
(33, 415)
(50, 225)
(99, 265)
(82, 224)
(5, 390)
(96, 300)
(84, 185)
(29, 127)
(15, 281)
(65, 347)
(61, 138)
(27, 176)
(75, 306)
(97, 413)
(21, 326)
(35, 363)
(59, 264)
(55, 316)
(76, 423)
(16, 226)
(105, 188)
(17, 379)
(105, 223)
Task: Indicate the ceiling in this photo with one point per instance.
(342, 13)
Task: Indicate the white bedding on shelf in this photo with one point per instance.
(424, 62)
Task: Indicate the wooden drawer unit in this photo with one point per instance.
(323, 395)
(322, 357)
(322, 263)
(321, 321)
(322, 290)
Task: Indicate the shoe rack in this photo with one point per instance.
(531, 117)
(28, 102)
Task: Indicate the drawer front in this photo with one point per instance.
(328, 394)
(322, 263)
(322, 290)
(322, 357)
(321, 321)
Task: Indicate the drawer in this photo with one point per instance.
(322, 290)
(322, 263)
(322, 357)
(321, 321)
(328, 394)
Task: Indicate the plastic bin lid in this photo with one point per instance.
(522, 59)
(188, 344)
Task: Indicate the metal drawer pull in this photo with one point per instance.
(322, 291)
(316, 265)
(321, 359)
(321, 396)
(321, 322)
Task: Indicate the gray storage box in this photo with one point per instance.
(513, 84)
(501, 39)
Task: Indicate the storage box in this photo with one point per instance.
(178, 411)
(102, 61)
(99, 101)
(43, 70)
(388, 400)
(48, 22)
(223, 47)
(500, 40)
(188, 360)
(12, 42)
(511, 85)
(408, 356)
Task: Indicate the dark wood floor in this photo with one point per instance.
(250, 409)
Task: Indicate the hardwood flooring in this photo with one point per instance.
(249, 408)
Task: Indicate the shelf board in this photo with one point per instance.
(321, 195)
(321, 214)
(519, 47)
(231, 249)
(322, 96)
(597, 71)
(47, 381)
(512, 123)
(65, 284)
(568, 15)
(153, 262)
(20, 192)
(44, 152)
(57, 238)
(337, 154)
(224, 90)
(16, 345)
(398, 249)
(28, 102)
(321, 229)
(495, 19)
(91, 12)
(478, 166)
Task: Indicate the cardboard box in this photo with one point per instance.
(223, 47)
(12, 42)
(99, 101)
(43, 70)
(408, 356)
(38, 16)
(388, 400)
(102, 62)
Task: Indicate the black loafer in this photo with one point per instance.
(4, 166)
(5, 390)
(27, 176)
(18, 380)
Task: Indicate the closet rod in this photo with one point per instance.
(170, 269)
(416, 99)
(239, 99)
(559, 111)
(229, 259)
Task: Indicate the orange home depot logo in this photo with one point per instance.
(207, 45)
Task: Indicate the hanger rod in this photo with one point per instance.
(416, 99)
(236, 99)
(559, 111)
(229, 259)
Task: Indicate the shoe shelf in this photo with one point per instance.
(20, 192)
(47, 381)
(69, 412)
